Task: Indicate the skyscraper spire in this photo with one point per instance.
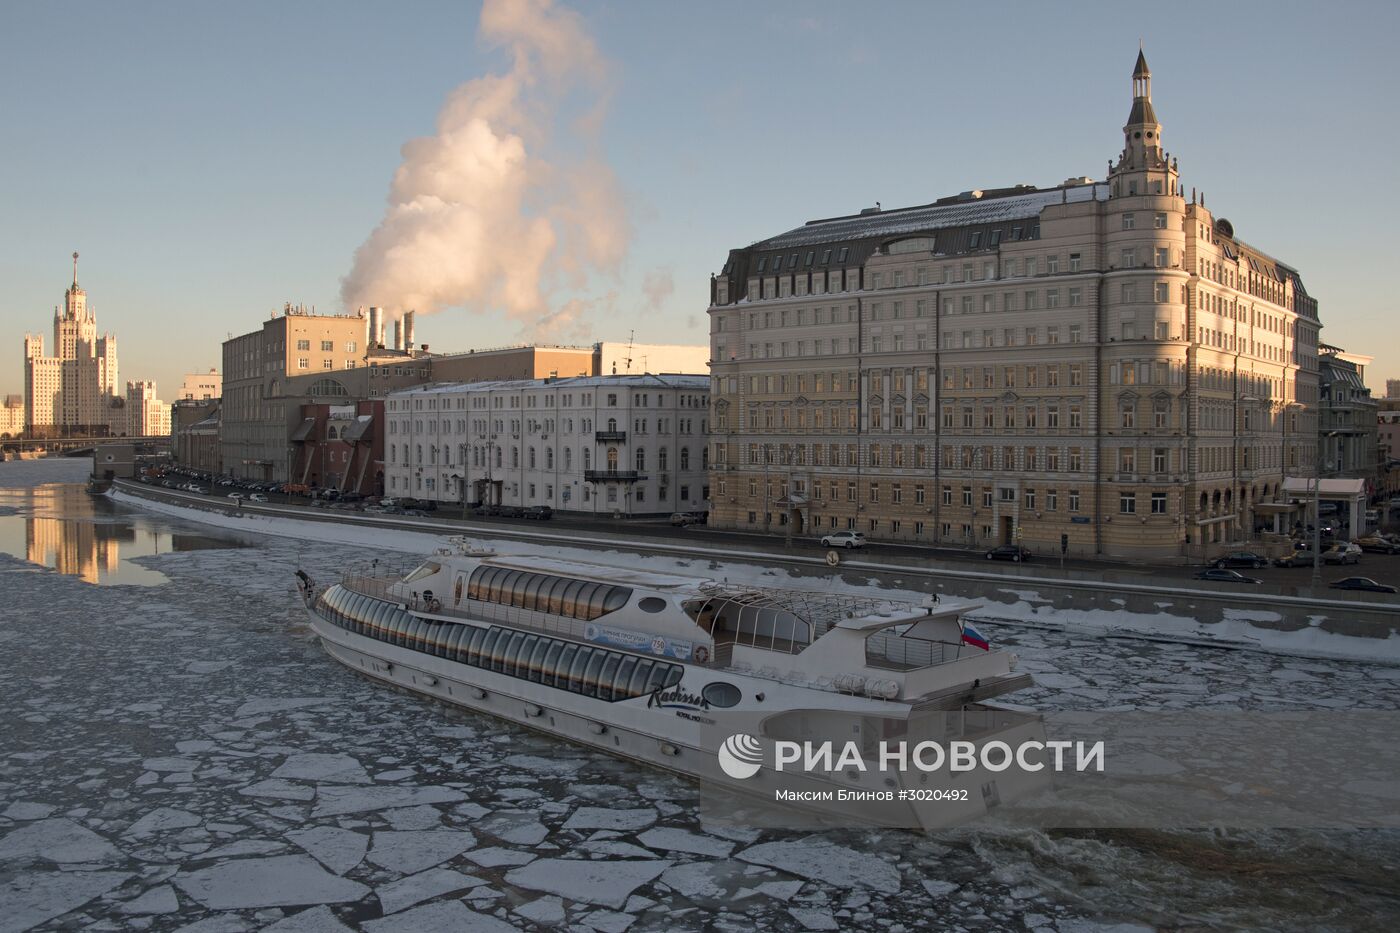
(75, 268)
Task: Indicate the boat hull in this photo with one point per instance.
(679, 741)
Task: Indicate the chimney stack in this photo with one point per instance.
(376, 327)
(398, 334)
(408, 331)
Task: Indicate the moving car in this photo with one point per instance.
(1220, 575)
(539, 513)
(257, 497)
(846, 539)
(1241, 559)
(681, 519)
(1365, 584)
(1009, 552)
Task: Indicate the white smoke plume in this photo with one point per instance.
(510, 205)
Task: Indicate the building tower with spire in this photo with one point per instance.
(1099, 366)
(76, 390)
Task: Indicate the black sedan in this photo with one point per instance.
(1363, 584)
(1221, 575)
(1009, 552)
(1241, 559)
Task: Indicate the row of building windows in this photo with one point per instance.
(565, 665)
(327, 346)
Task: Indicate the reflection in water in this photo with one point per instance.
(60, 526)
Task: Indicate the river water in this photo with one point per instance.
(175, 749)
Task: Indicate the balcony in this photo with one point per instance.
(601, 436)
(611, 476)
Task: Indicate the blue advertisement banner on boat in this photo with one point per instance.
(638, 641)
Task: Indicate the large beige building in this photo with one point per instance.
(201, 387)
(1104, 364)
(73, 390)
(256, 367)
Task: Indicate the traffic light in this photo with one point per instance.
(1064, 543)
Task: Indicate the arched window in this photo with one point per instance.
(612, 424)
(685, 458)
(704, 458)
(641, 458)
(549, 458)
(587, 459)
(568, 459)
(532, 458)
(661, 458)
(328, 387)
(612, 458)
(419, 451)
(498, 457)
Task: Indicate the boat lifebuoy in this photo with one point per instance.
(702, 654)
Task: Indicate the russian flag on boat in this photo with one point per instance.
(971, 636)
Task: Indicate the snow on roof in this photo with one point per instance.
(639, 381)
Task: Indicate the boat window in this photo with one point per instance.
(503, 658)
(401, 625)
(562, 666)
(596, 599)
(432, 638)
(555, 596)
(417, 635)
(549, 667)
(721, 694)
(606, 675)
(623, 678)
(373, 615)
(406, 632)
(583, 598)
(576, 669)
(570, 600)
(487, 647)
(651, 604)
(617, 598)
(532, 590)
(638, 686)
(657, 680)
(500, 586)
(476, 584)
(537, 668)
(475, 645)
(523, 654)
(454, 641)
(590, 676)
(423, 570)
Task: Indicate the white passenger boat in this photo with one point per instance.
(664, 668)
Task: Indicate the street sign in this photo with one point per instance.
(1079, 519)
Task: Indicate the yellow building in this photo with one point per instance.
(1103, 366)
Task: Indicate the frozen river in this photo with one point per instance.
(177, 753)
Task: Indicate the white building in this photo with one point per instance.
(146, 414)
(202, 387)
(627, 445)
(72, 391)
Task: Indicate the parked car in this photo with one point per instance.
(196, 489)
(511, 511)
(1364, 584)
(257, 497)
(235, 495)
(681, 519)
(1009, 552)
(540, 513)
(1378, 545)
(1241, 559)
(1296, 559)
(1221, 575)
(846, 539)
(1342, 553)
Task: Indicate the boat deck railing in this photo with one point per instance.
(892, 651)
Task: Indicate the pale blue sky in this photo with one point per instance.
(211, 160)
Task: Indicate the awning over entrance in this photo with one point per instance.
(1327, 488)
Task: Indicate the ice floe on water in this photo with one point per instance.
(194, 761)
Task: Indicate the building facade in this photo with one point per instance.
(201, 387)
(256, 410)
(12, 416)
(607, 445)
(1348, 432)
(146, 414)
(75, 390)
(340, 446)
(1101, 366)
(194, 429)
